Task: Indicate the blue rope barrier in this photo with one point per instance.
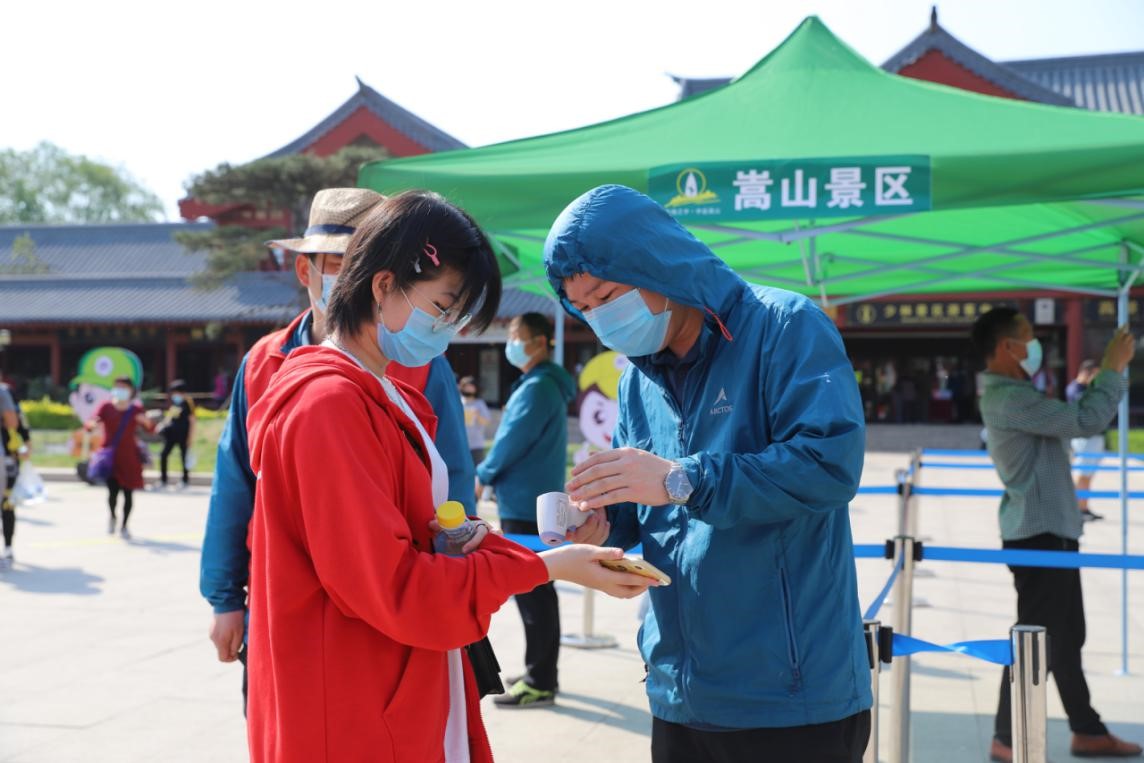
(996, 492)
(949, 453)
(997, 651)
(880, 599)
(878, 490)
(1087, 467)
(869, 551)
(1029, 558)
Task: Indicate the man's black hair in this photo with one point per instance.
(537, 324)
(988, 330)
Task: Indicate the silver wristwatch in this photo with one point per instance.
(677, 485)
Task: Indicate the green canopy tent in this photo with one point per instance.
(819, 172)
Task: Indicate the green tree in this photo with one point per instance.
(49, 185)
(272, 184)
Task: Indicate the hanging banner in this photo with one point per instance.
(777, 189)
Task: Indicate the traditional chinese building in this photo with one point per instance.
(67, 288)
(912, 356)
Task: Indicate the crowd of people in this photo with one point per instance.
(738, 448)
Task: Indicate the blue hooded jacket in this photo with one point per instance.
(761, 625)
(529, 456)
(225, 564)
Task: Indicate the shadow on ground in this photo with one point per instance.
(66, 580)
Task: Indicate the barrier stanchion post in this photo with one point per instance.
(589, 639)
(904, 550)
(873, 630)
(1028, 678)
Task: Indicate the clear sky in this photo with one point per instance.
(166, 90)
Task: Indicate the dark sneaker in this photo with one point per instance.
(521, 696)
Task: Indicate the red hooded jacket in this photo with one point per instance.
(351, 614)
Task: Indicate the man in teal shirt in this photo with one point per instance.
(529, 458)
(1028, 441)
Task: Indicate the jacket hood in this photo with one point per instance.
(564, 381)
(308, 364)
(619, 234)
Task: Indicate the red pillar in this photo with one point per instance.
(171, 355)
(1074, 323)
(55, 362)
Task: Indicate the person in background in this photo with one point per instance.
(1085, 446)
(1027, 433)
(221, 388)
(477, 418)
(178, 430)
(357, 628)
(225, 564)
(127, 473)
(528, 458)
(738, 449)
(15, 442)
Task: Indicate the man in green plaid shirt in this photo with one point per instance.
(1028, 440)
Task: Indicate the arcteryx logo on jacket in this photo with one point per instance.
(761, 626)
(721, 405)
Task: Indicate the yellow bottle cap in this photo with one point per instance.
(451, 514)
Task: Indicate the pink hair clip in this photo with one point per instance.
(431, 253)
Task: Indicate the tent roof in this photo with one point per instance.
(998, 171)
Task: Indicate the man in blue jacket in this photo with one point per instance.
(529, 458)
(225, 563)
(739, 445)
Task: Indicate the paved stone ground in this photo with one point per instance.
(104, 652)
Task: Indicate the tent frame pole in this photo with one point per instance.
(1123, 317)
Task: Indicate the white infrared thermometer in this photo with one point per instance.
(555, 516)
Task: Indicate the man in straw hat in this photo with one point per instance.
(334, 216)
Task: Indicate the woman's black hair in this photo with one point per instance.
(537, 324)
(126, 381)
(415, 235)
(997, 324)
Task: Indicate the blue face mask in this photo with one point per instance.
(177, 399)
(515, 353)
(422, 339)
(323, 302)
(627, 326)
(120, 395)
(1032, 362)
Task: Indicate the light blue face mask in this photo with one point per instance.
(627, 326)
(422, 339)
(1032, 362)
(328, 282)
(515, 353)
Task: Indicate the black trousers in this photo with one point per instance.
(169, 446)
(1052, 598)
(841, 741)
(8, 507)
(540, 611)
(113, 490)
(243, 656)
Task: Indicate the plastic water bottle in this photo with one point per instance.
(456, 529)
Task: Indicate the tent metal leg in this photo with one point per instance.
(1122, 318)
(558, 351)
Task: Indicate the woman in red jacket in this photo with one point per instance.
(356, 628)
(127, 473)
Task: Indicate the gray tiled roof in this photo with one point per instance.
(689, 86)
(138, 248)
(1113, 82)
(516, 302)
(937, 39)
(405, 122)
(249, 298)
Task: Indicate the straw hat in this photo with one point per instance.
(334, 216)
